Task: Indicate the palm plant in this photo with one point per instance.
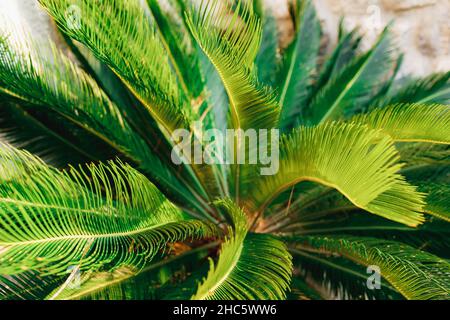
(92, 207)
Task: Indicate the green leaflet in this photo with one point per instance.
(94, 217)
(411, 122)
(299, 62)
(359, 162)
(236, 276)
(415, 274)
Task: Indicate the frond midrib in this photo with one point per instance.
(225, 276)
(87, 237)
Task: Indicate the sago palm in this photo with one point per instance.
(93, 207)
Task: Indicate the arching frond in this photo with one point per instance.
(411, 122)
(415, 274)
(105, 215)
(236, 276)
(154, 281)
(126, 52)
(359, 162)
(231, 41)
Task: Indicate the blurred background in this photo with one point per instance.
(421, 27)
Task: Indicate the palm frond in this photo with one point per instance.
(267, 59)
(342, 55)
(148, 76)
(179, 47)
(27, 285)
(299, 64)
(154, 281)
(99, 216)
(335, 218)
(236, 276)
(300, 290)
(231, 41)
(433, 89)
(357, 161)
(352, 89)
(338, 278)
(420, 157)
(411, 122)
(25, 130)
(414, 273)
(60, 86)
